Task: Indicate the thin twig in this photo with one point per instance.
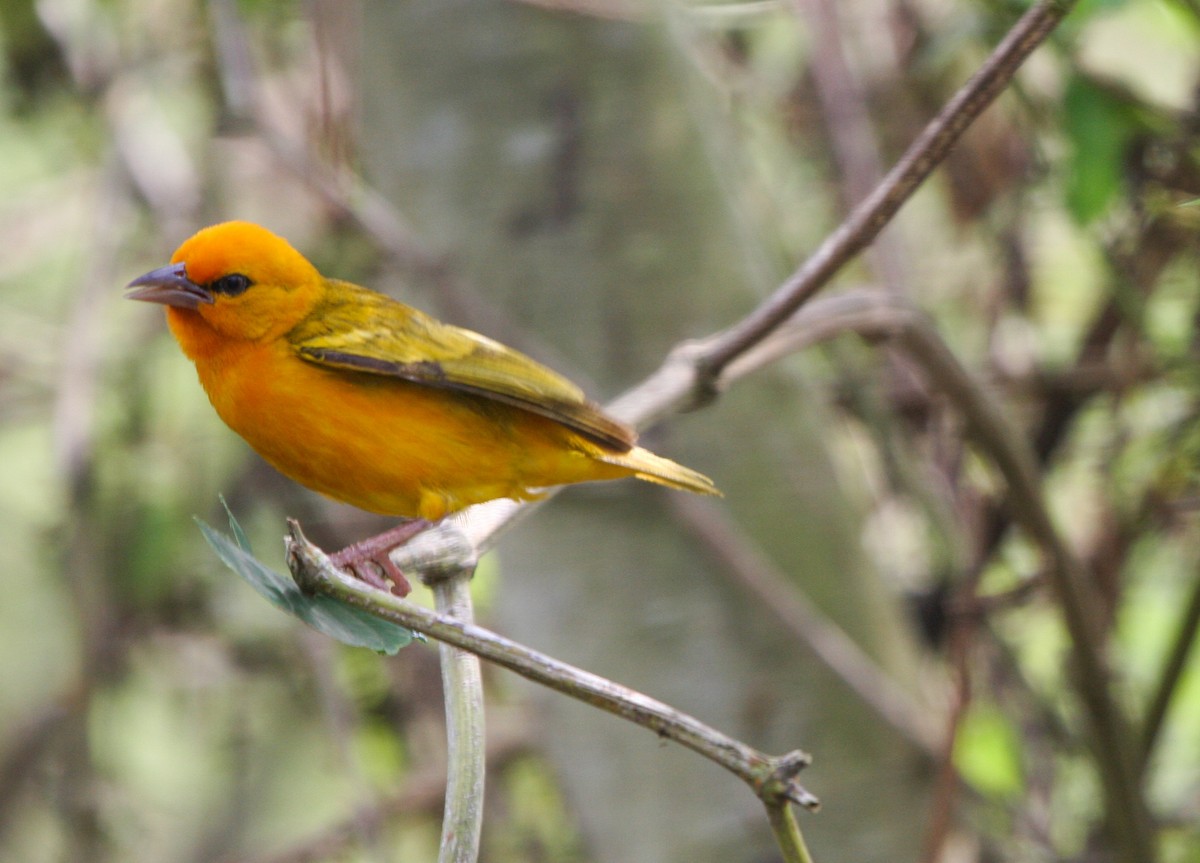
(26, 747)
(772, 778)
(847, 119)
(1172, 671)
(946, 782)
(605, 10)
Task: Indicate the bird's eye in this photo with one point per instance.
(230, 286)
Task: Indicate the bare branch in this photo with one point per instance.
(772, 778)
(869, 218)
(1172, 672)
(847, 119)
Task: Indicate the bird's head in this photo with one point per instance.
(232, 281)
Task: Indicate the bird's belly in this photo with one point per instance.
(389, 446)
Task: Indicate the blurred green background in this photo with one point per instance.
(594, 181)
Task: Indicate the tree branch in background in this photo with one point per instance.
(882, 317)
(1172, 672)
(870, 217)
(847, 119)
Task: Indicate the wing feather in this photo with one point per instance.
(363, 331)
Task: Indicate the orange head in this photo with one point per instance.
(235, 281)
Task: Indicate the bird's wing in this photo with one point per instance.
(363, 331)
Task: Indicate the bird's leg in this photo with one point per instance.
(359, 557)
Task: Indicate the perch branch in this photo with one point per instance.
(771, 778)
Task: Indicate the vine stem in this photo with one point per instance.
(787, 833)
(462, 686)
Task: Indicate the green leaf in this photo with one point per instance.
(345, 623)
(988, 753)
(1099, 126)
(239, 535)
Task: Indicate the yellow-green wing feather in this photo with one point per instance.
(359, 330)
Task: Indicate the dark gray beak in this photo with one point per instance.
(170, 286)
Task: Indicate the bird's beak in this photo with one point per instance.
(170, 286)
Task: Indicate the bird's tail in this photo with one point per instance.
(654, 468)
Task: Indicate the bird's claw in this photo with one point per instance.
(370, 560)
(380, 572)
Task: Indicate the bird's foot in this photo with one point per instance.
(370, 560)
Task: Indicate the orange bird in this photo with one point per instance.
(374, 403)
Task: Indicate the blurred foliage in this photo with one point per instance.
(152, 708)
